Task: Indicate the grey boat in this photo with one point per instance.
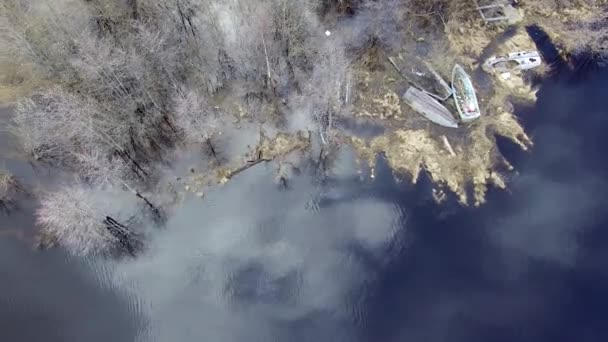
(430, 108)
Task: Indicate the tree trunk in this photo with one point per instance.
(137, 169)
(134, 10)
(166, 119)
(185, 18)
(290, 70)
(269, 82)
(121, 232)
(158, 215)
(211, 148)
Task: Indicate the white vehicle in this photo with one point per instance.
(521, 60)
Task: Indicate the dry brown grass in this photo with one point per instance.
(470, 157)
(412, 144)
(268, 149)
(571, 25)
(16, 81)
(474, 162)
(466, 160)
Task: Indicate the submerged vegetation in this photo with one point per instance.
(10, 191)
(144, 102)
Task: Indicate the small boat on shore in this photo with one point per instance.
(464, 95)
(422, 75)
(430, 108)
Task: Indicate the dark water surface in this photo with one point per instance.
(530, 265)
(50, 297)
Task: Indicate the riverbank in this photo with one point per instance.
(159, 140)
(526, 266)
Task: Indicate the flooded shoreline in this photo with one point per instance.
(446, 250)
(274, 234)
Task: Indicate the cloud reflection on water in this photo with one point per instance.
(250, 260)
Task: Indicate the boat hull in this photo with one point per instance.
(464, 95)
(430, 108)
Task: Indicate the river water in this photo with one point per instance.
(351, 261)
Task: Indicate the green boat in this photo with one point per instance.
(464, 95)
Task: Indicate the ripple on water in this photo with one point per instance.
(251, 252)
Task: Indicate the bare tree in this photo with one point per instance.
(100, 170)
(194, 117)
(103, 172)
(85, 221)
(54, 126)
(329, 86)
(134, 78)
(50, 124)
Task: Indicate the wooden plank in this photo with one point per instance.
(496, 10)
(429, 107)
(445, 89)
